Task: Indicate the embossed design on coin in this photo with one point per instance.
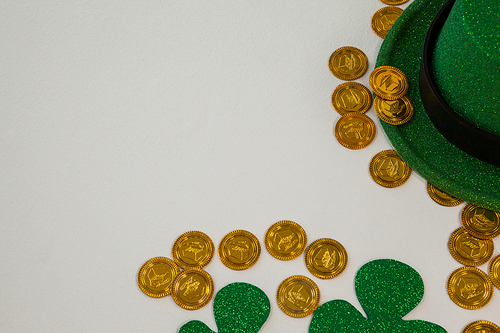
(388, 82)
(469, 250)
(285, 240)
(442, 197)
(348, 63)
(326, 258)
(239, 250)
(298, 296)
(354, 130)
(192, 288)
(383, 19)
(388, 169)
(396, 112)
(494, 271)
(469, 288)
(481, 326)
(481, 222)
(156, 275)
(393, 2)
(193, 249)
(351, 97)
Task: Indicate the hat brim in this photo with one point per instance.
(418, 142)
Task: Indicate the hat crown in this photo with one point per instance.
(466, 62)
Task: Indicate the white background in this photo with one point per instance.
(127, 123)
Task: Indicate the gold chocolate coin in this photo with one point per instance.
(326, 258)
(193, 249)
(481, 222)
(354, 130)
(469, 250)
(396, 112)
(351, 97)
(298, 296)
(192, 288)
(481, 326)
(156, 275)
(388, 82)
(495, 271)
(285, 240)
(393, 2)
(239, 250)
(470, 288)
(388, 169)
(383, 19)
(442, 197)
(348, 63)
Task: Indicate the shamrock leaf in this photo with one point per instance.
(238, 308)
(387, 290)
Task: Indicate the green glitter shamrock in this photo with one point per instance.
(387, 290)
(238, 308)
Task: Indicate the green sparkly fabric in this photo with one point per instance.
(467, 62)
(387, 290)
(238, 308)
(417, 142)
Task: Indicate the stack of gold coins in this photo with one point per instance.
(472, 245)
(351, 100)
(192, 287)
(391, 103)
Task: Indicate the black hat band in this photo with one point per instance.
(469, 138)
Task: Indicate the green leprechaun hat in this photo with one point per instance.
(450, 53)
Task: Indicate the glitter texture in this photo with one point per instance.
(387, 290)
(467, 62)
(238, 308)
(418, 143)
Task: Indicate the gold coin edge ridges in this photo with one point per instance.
(169, 289)
(313, 270)
(363, 88)
(347, 145)
(382, 182)
(462, 260)
(288, 312)
(301, 231)
(207, 299)
(382, 95)
(341, 76)
(232, 265)
(487, 282)
(184, 236)
(435, 197)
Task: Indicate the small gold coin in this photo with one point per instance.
(383, 19)
(442, 197)
(193, 249)
(470, 288)
(388, 169)
(354, 130)
(351, 97)
(192, 288)
(481, 326)
(495, 271)
(239, 250)
(393, 2)
(285, 240)
(156, 275)
(481, 222)
(326, 258)
(348, 63)
(396, 112)
(388, 82)
(469, 250)
(298, 296)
